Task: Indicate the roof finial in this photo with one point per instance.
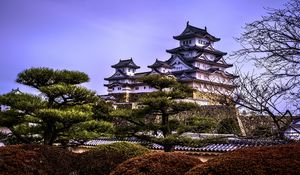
(187, 23)
(205, 28)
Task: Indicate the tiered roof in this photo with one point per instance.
(119, 75)
(126, 63)
(191, 31)
(159, 64)
(188, 73)
(196, 48)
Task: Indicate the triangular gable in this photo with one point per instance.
(222, 61)
(178, 64)
(118, 74)
(154, 71)
(184, 76)
(210, 47)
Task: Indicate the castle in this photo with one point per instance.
(194, 62)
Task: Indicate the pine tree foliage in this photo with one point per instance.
(155, 109)
(62, 111)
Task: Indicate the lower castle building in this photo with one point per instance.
(194, 62)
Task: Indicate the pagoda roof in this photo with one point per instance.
(224, 73)
(141, 74)
(191, 31)
(118, 75)
(214, 62)
(228, 86)
(114, 84)
(186, 76)
(181, 59)
(126, 63)
(159, 63)
(209, 71)
(197, 48)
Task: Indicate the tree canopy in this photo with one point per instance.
(155, 109)
(62, 111)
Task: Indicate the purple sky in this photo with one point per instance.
(91, 35)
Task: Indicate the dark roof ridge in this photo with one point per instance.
(125, 63)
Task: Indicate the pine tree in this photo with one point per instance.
(155, 109)
(62, 110)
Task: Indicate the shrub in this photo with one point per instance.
(103, 159)
(157, 164)
(262, 131)
(282, 159)
(35, 159)
(228, 126)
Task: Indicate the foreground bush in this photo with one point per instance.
(35, 160)
(103, 159)
(157, 164)
(282, 159)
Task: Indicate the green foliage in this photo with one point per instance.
(124, 148)
(155, 108)
(62, 107)
(159, 82)
(104, 158)
(157, 164)
(39, 77)
(262, 131)
(90, 129)
(200, 124)
(228, 126)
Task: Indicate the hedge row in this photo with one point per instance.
(157, 164)
(35, 159)
(281, 160)
(103, 159)
(50, 160)
(107, 159)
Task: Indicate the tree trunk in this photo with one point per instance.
(165, 123)
(48, 134)
(168, 148)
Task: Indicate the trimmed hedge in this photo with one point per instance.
(157, 164)
(283, 159)
(35, 159)
(103, 159)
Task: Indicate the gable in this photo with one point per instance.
(179, 65)
(117, 74)
(221, 61)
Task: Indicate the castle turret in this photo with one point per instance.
(128, 67)
(194, 62)
(160, 67)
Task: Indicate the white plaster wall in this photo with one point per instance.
(200, 41)
(129, 71)
(163, 70)
(142, 89)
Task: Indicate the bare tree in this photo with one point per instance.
(264, 98)
(273, 44)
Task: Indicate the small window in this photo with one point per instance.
(190, 41)
(112, 88)
(145, 87)
(119, 88)
(136, 88)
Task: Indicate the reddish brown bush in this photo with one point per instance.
(35, 159)
(157, 164)
(103, 159)
(284, 159)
